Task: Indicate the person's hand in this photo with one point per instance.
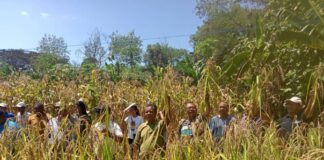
(160, 115)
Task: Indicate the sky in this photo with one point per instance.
(24, 22)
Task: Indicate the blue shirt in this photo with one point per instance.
(9, 115)
(217, 126)
(10, 125)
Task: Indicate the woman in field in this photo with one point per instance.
(84, 120)
(133, 121)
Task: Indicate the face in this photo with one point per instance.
(38, 109)
(132, 112)
(191, 110)
(79, 110)
(223, 108)
(20, 109)
(63, 113)
(56, 109)
(150, 114)
(293, 108)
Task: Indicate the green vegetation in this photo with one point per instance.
(262, 51)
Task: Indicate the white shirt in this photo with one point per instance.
(132, 127)
(113, 128)
(22, 120)
(54, 127)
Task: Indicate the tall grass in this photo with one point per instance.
(170, 91)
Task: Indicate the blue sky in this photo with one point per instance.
(24, 22)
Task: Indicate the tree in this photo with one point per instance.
(44, 62)
(93, 48)
(225, 23)
(51, 44)
(125, 49)
(207, 8)
(161, 55)
(5, 69)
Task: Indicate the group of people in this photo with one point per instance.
(144, 137)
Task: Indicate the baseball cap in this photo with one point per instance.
(3, 105)
(21, 104)
(57, 104)
(295, 99)
(130, 106)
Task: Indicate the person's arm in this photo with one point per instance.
(118, 133)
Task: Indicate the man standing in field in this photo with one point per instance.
(195, 124)
(293, 118)
(22, 115)
(151, 136)
(219, 123)
(39, 119)
(7, 124)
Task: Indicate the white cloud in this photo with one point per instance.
(45, 15)
(24, 13)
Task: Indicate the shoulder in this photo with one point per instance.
(141, 127)
(9, 114)
(214, 119)
(140, 118)
(32, 116)
(181, 122)
(126, 119)
(232, 118)
(49, 116)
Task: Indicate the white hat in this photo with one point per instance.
(57, 104)
(131, 105)
(21, 104)
(3, 105)
(295, 100)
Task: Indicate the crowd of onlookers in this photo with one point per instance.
(145, 135)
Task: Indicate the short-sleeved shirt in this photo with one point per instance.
(191, 129)
(150, 138)
(39, 122)
(217, 126)
(132, 124)
(9, 115)
(287, 124)
(22, 119)
(54, 127)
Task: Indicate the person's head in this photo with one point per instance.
(62, 113)
(57, 106)
(21, 107)
(150, 113)
(81, 107)
(223, 109)
(133, 110)
(39, 108)
(191, 110)
(294, 106)
(98, 110)
(3, 107)
(2, 117)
